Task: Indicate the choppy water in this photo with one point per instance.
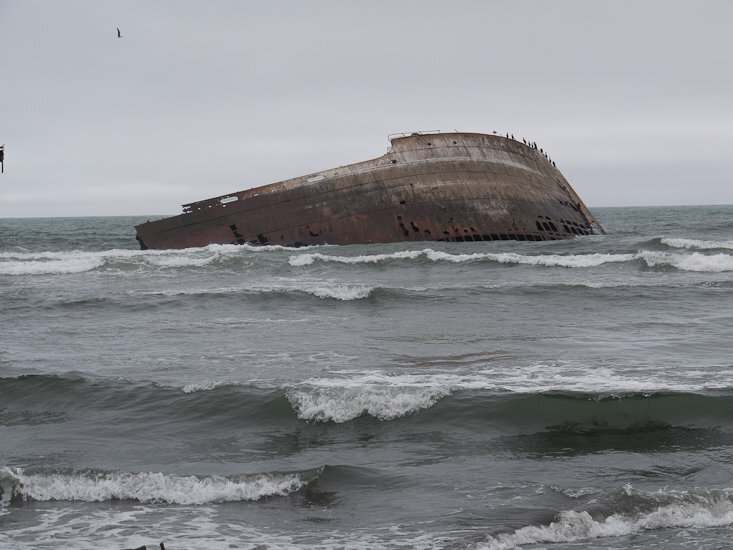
(567, 394)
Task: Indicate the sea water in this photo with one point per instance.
(486, 395)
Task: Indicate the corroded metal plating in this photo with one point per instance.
(428, 187)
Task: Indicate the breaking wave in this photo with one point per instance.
(79, 261)
(57, 263)
(308, 259)
(239, 256)
(551, 260)
(504, 400)
(335, 291)
(146, 487)
(697, 243)
(685, 262)
(341, 292)
(715, 263)
(661, 510)
(340, 404)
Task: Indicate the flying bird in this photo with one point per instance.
(119, 34)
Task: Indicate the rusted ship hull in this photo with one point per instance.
(428, 187)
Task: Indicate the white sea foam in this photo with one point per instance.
(574, 526)
(696, 243)
(60, 263)
(60, 266)
(180, 260)
(203, 526)
(349, 394)
(345, 292)
(569, 377)
(55, 263)
(151, 487)
(341, 292)
(550, 260)
(388, 396)
(556, 260)
(383, 397)
(714, 263)
(78, 261)
(207, 385)
(686, 262)
(308, 259)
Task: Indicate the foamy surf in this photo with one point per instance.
(335, 291)
(713, 263)
(686, 262)
(145, 487)
(308, 259)
(79, 261)
(697, 243)
(207, 385)
(340, 401)
(551, 260)
(687, 510)
(387, 396)
(341, 292)
(71, 262)
(51, 264)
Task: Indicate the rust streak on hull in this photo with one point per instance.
(428, 187)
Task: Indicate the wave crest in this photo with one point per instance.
(340, 292)
(341, 403)
(686, 262)
(697, 243)
(149, 487)
(714, 263)
(550, 260)
(683, 510)
(77, 261)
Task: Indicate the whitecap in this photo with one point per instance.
(690, 511)
(340, 401)
(348, 394)
(556, 260)
(713, 263)
(63, 266)
(550, 260)
(341, 292)
(148, 487)
(696, 243)
(308, 259)
(207, 385)
(79, 261)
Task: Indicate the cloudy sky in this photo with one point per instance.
(632, 99)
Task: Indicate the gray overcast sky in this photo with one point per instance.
(632, 99)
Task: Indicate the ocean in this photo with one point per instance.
(484, 395)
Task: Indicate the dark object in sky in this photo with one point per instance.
(119, 34)
(428, 187)
(2, 159)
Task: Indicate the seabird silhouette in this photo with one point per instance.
(119, 34)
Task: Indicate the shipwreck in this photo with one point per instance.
(428, 187)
